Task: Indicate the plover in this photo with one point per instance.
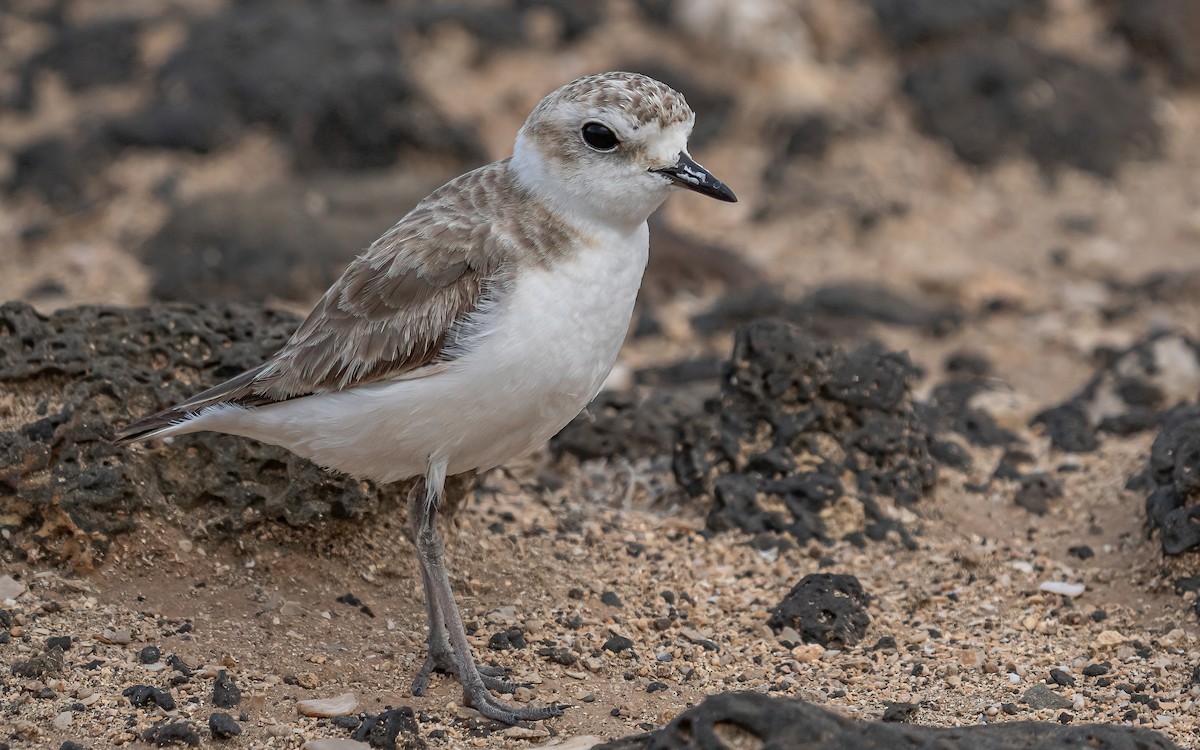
(475, 328)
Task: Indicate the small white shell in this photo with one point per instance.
(1062, 587)
(326, 707)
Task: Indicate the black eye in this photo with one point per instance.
(599, 137)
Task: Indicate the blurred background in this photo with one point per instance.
(1011, 161)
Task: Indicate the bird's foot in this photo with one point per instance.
(442, 659)
(477, 692)
(479, 698)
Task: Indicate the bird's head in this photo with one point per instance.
(611, 147)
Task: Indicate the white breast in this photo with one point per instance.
(541, 355)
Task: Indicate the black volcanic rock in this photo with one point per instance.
(825, 608)
(82, 372)
(794, 418)
(979, 96)
(757, 720)
(329, 77)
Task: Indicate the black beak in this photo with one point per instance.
(688, 174)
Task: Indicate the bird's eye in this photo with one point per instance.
(599, 137)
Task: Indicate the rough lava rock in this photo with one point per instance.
(911, 23)
(805, 438)
(981, 97)
(825, 608)
(1166, 31)
(754, 720)
(1127, 393)
(260, 63)
(68, 379)
(630, 423)
(1172, 478)
(392, 729)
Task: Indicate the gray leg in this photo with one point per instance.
(447, 638)
(440, 656)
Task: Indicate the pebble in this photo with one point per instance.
(808, 652)
(115, 637)
(617, 644)
(149, 655)
(1040, 696)
(10, 588)
(1062, 588)
(340, 705)
(1108, 638)
(291, 609)
(225, 692)
(223, 726)
(524, 733)
(63, 720)
(335, 744)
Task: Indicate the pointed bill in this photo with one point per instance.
(688, 174)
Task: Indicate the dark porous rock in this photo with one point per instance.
(393, 729)
(172, 733)
(58, 170)
(1061, 678)
(505, 640)
(632, 423)
(1172, 479)
(104, 52)
(617, 644)
(330, 78)
(145, 695)
(914, 22)
(899, 712)
(239, 247)
(43, 665)
(949, 406)
(149, 655)
(1068, 427)
(1040, 696)
(756, 720)
(788, 401)
(1127, 391)
(1036, 490)
(498, 26)
(825, 608)
(1166, 31)
(222, 726)
(58, 641)
(836, 311)
(977, 96)
(80, 373)
(225, 692)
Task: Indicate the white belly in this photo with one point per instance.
(542, 355)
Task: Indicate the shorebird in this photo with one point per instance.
(475, 328)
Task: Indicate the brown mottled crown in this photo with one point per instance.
(643, 97)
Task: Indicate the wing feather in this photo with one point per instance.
(396, 312)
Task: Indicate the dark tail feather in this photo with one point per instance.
(236, 391)
(145, 427)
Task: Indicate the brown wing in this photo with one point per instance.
(393, 314)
